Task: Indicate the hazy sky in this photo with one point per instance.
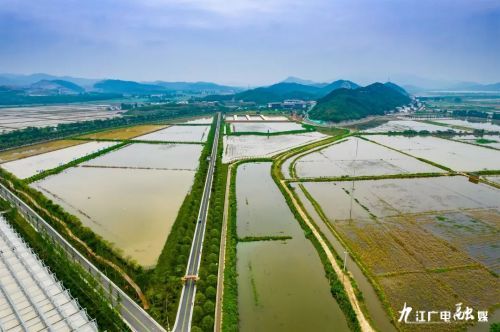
(252, 41)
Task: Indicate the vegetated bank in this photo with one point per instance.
(81, 284)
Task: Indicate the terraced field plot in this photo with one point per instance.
(205, 120)
(265, 127)
(151, 156)
(440, 235)
(35, 149)
(15, 118)
(485, 140)
(124, 133)
(485, 125)
(455, 155)
(140, 205)
(357, 157)
(178, 134)
(27, 167)
(248, 146)
(281, 284)
(130, 196)
(404, 125)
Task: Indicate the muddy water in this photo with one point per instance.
(165, 156)
(378, 316)
(455, 155)
(356, 157)
(281, 284)
(132, 208)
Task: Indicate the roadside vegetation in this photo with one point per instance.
(81, 284)
(206, 286)
(163, 284)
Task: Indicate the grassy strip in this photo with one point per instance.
(230, 318)
(163, 284)
(263, 238)
(129, 141)
(370, 177)
(81, 284)
(487, 172)
(228, 129)
(73, 163)
(52, 212)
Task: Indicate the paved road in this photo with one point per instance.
(132, 314)
(186, 303)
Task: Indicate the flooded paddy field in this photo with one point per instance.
(265, 127)
(404, 125)
(493, 178)
(178, 134)
(27, 167)
(281, 284)
(482, 125)
(358, 157)
(140, 204)
(124, 133)
(155, 156)
(14, 118)
(260, 117)
(455, 155)
(492, 141)
(35, 149)
(392, 197)
(375, 309)
(203, 120)
(439, 235)
(249, 146)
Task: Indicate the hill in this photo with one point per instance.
(298, 80)
(352, 104)
(26, 80)
(282, 91)
(396, 87)
(54, 87)
(128, 87)
(198, 87)
(338, 84)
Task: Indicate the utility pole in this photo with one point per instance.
(166, 311)
(345, 263)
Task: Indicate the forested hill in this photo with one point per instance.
(352, 104)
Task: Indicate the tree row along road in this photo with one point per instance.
(132, 314)
(186, 303)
